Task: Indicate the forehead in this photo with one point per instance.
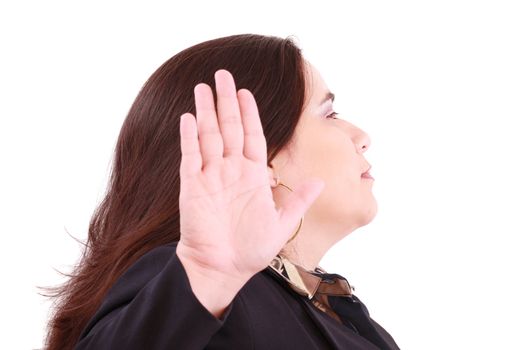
(315, 85)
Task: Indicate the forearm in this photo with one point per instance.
(164, 312)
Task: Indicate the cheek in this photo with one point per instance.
(333, 159)
(326, 150)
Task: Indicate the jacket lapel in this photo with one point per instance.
(306, 284)
(336, 334)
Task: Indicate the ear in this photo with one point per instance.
(272, 176)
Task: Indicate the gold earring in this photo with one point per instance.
(279, 183)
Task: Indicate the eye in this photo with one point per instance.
(332, 115)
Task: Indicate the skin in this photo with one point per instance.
(331, 150)
(232, 222)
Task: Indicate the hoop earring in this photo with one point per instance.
(279, 183)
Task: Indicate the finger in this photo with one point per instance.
(210, 138)
(191, 161)
(254, 140)
(229, 113)
(297, 203)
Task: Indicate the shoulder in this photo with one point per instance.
(150, 263)
(131, 282)
(141, 272)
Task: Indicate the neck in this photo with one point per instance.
(311, 243)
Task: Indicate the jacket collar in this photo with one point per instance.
(308, 283)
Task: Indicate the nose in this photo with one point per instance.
(360, 138)
(364, 142)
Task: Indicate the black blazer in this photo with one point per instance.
(152, 306)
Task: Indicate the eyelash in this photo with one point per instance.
(332, 115)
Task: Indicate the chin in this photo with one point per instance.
(368, 212)
(360, 216)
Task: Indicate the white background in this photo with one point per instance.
(438, 85)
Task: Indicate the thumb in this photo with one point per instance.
(298, 202)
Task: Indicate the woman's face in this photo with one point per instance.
(330, 149)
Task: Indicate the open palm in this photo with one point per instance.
(228, 220)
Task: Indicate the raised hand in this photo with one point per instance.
(229, 223)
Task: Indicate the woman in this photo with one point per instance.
(215, 220)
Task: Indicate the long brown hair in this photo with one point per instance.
(140, 209)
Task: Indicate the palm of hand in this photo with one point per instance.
(229, 221)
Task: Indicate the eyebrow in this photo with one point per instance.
(329, 96)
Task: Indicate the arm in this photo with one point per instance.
(153, 306)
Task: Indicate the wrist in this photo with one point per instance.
(215, 290)
(209, 268)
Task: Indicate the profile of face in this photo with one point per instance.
(331, 149)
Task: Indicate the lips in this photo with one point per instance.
(366, 174)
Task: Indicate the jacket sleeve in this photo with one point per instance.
(152, 306)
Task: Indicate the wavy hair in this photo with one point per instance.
(140, 207)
